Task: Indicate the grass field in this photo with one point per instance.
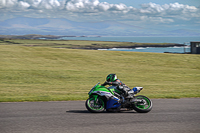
(75, 44)
(56, 74)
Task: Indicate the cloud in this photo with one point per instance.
(95, 10)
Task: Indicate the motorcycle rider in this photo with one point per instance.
(111, 79)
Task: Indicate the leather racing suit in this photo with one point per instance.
(120, 86)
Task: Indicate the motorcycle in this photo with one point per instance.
(112, 100)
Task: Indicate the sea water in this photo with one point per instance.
(156, 49)
(178, 40)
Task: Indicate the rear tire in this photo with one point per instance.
(94, 107)
(143, 107)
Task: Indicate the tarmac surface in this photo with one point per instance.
(167, 116)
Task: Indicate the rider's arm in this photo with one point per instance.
(105, 83)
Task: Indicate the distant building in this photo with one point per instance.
(195, 47)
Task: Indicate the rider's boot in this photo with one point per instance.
(127, 95)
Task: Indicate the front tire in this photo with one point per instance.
(94, 107)
(144, 106)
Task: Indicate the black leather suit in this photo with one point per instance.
(120, 86)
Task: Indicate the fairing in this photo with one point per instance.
(112, 101)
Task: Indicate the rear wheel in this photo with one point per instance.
(144, 106)
(95, 106)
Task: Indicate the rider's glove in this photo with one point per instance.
(105, 83)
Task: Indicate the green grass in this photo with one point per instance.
(73, 43)
(52, 74)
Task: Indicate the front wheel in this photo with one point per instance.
(144, 106)
(95, 106)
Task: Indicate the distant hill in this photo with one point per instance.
(29, 36)
(44, 26)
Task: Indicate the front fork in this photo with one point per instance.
(96, 99)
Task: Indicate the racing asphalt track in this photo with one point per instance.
(167, 116)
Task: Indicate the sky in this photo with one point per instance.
(166, 14)
(137, 3)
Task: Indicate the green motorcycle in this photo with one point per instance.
(112, 100)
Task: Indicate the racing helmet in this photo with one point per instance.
(111, 77)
